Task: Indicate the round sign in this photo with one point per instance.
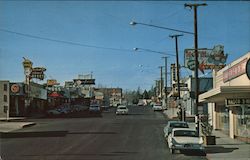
(15, 88)
(248, 69)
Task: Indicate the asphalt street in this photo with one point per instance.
(137, 136)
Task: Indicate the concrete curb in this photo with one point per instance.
(29, 125)
(13, 126)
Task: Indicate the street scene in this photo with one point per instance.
(125, 80)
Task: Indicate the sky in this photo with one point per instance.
(79, 37)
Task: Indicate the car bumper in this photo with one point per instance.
(121, 112)
(188, 147)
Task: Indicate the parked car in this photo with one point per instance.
(54, 112)
(174, 124)
(95, 108)
(184, 139)
(104, 107)
(157, 107)
(122, 109)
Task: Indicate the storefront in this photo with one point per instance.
(229, 100)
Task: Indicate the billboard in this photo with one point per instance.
(207, 58)
(84, 81)
(38, 73)
(52, 82)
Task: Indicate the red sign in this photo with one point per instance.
(15, 88)
(235, 71)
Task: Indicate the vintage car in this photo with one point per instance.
(184, 139)
(174, 124)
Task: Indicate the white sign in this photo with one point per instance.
(207, 58)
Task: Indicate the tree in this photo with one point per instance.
(145, 94)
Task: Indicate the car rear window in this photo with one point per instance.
(181, 133)
(179, 125)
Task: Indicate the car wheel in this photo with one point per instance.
(172, 151)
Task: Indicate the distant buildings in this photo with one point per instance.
(21, 99)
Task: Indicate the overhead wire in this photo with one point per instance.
(63, 41)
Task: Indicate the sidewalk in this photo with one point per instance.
(225, 148)
(9, 126)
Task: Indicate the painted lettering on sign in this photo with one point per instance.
(237, 101)
(235, 71)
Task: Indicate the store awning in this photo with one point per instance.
(55, 95)
(222, 93)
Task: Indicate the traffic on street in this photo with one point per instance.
(138, 135)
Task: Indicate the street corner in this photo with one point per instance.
(12, 126)
(28, 124)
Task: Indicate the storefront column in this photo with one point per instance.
(214, 116)
(231, 123)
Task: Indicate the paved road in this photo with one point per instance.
(137, 136)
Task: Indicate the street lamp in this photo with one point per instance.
(149, 50)
(133, 23)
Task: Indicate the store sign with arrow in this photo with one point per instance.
(207, 58)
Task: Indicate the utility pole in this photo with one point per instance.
(194, 6)
(178, 72)
(166, 81)
(161, 82)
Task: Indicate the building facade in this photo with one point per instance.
(4, 99)
(229, 100)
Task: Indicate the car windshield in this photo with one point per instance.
(185, 133)
(179, 125)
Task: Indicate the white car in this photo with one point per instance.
(94, 108)
(121, 110)
(157, 107)
(184, 139)
(174, 124)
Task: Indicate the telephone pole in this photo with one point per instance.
(194, 6)
(161, 82)
(178, 72)
(166, 81)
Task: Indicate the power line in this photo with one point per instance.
(62, 41)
